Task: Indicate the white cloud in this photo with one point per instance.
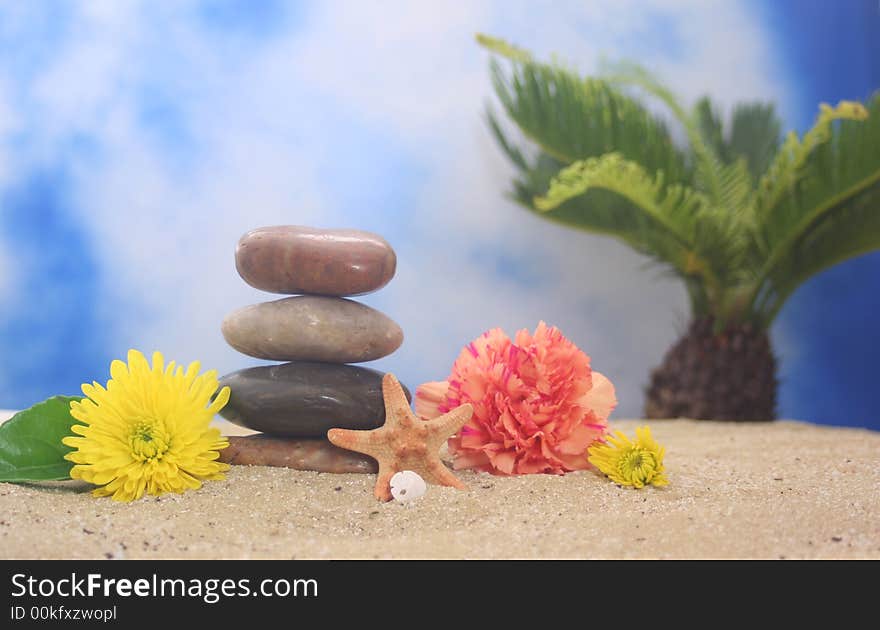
(167, 225)
(8, 125)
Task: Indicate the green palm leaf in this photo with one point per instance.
(571, 118)
(787, 168)
(673, 206)
(513, 152)
(503, 48)
(742, 218)
(755, 133)
(676, 211)
(711, 128)
(830, 212)
(851, 230)
(707, 164)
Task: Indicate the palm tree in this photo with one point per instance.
(740, 214)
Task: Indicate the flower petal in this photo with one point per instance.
(601, 399)
(537, 404)
(147, 431)
(429, 397)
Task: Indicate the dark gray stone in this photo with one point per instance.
(305, 399)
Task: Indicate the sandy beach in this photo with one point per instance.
(778, 490)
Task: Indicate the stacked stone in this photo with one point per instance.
(318, 333)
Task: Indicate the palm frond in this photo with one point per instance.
(707, 164)
(629, 179)
(737, 193)
(711, 128)
(572, 118)
(512, 152)
(755, 133)
(787, 168)
(673, 209)
(503, 48)
(732, 223)
(743, 218)
(630, 73)
(829, 213)
(535, 181)
(852, 230)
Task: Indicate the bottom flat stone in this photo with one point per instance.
(300, 454)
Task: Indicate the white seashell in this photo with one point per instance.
(407, 485)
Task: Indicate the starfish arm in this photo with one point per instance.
(404, 442)
(382, 490)
(396, 404)
(449, 423)
(441, 475)
(359, 441)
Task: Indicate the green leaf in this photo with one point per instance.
(512, 152)
(787, 168)
(830, 214)
(755, 134)
(627, 178)
(710, 125)
(737, 194)
(572, 118)
(851, 229)
(30, 442)
(706, 162)
(503, 48)
(675, 210)
(740, 214)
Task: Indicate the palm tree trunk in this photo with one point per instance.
(725, 376)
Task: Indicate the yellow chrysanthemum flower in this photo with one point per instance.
(148, 430)
(638, 463)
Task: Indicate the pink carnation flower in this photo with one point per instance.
(537, 404)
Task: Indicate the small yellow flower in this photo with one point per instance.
(629, 463)
(148, 430)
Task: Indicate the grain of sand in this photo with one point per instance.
(777, 490)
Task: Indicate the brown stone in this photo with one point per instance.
(294, 259)
(312, 328)
(299, 454)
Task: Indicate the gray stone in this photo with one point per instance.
(305, 399)
(297, 259)
(312, 328)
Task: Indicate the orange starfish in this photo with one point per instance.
(405, 442)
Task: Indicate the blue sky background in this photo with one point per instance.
(139, 140)
(829, 326)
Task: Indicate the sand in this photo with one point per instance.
(778, 490)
